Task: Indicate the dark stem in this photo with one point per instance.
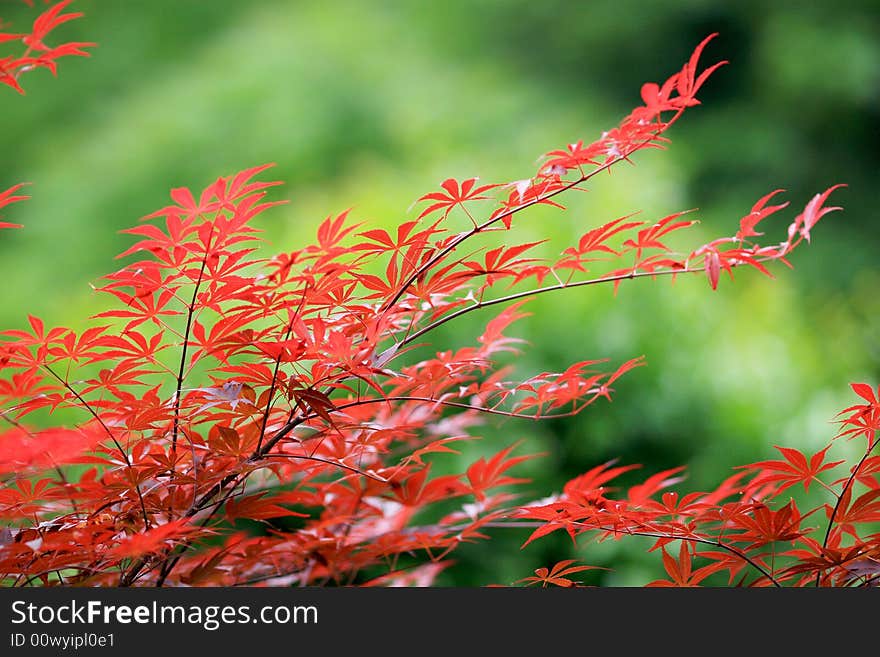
(510, 212)
(541, 290)
(181, 370)
(97, 417)
(652, 534)
(275, 372)
(846, 487)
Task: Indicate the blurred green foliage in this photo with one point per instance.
(370, 105)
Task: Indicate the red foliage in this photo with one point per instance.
(8, 197)
(745, 527)
(244, 419)
(34, 52)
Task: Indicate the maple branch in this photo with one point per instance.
(300, 418)
(441, 402)
(129, 577)
(292, 423)
(646, 534)
(262, 448)
(271, 395)
(519, 208)
(703, 541)
(171, 560)
(344, 327)
(338, 464)
(100, 421)
(542, 290)
(277, 367)
(181, 371)
(846, 487)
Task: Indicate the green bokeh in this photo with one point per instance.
(369, 105)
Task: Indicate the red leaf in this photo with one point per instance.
(557, 575)
(484, 474)
(455, 194)
(864, 391)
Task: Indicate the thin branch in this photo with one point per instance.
(846, 487)
(181, 371)
(648, 534)
(277, 367)
(338, 464)
(100, 421)
(541, 290)
(519, 208)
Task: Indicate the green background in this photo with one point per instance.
(371, 104)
